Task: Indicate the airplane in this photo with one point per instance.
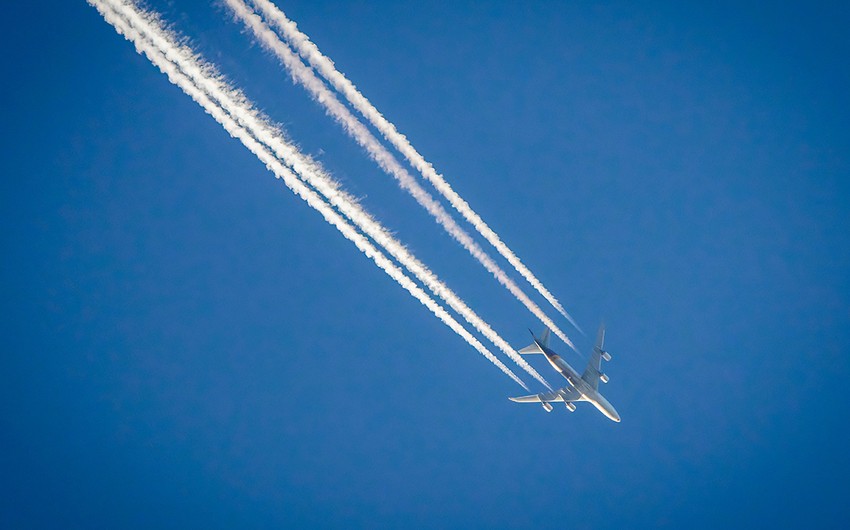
(584, 387)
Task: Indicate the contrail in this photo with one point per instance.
(326, 68)
(242, 110)
(303, 75)
(200, 80)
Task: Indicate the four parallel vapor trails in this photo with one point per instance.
(309, 181)
(304, 75)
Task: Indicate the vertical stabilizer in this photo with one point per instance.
(544, 337)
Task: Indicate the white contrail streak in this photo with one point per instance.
(235, 103)
(304, 75)
(176, 76)
(144, 30)
(326, 68)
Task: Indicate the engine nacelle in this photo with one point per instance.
(547, 406)
(570, 406)
(606, 356)
(603, 378)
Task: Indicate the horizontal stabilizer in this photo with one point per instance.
(531, 349)
(535, 347)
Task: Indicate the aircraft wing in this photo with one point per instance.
(567, 394)
(593, 371)
(545, 397)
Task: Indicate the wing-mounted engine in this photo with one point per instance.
(547, 406)
(604, 378)
(570, 406)
(605, 355)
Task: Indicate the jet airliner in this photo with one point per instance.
(584, 387)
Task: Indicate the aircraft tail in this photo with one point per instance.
(535, 347)
(531, 349)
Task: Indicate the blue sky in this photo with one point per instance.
(188, 344)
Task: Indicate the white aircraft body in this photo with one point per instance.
(584, 387)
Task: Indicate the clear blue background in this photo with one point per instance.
(186, 344)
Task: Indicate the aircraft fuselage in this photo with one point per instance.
(587, 392)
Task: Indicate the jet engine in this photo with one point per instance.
(606, 356)
(547, 406)
(570, 406)
(603, 378)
